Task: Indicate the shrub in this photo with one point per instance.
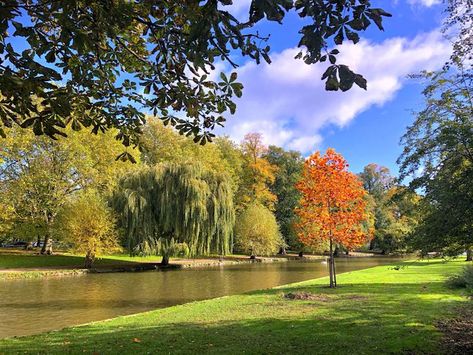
(462, 280)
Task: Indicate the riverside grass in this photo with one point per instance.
(384, 309)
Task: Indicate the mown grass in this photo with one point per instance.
(375, 311)
(16, 259)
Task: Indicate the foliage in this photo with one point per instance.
(257, 231)
(39, 175)
(438, 156)
(258, 174)
(161, 144)
(393, 209)
(86, 62)
(332, 207)
(458, 26)
(464, 279)
(162, 246)
(289, 168)
(187, 203)
(89, 225)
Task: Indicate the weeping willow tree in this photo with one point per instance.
(176, 203)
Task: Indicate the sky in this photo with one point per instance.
(287, 103)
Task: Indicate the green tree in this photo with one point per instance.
(89, 225)
(257, 231)
(39, 175)
(103, 59)
(258, 174)
(438, 157)
(377, 180)
(289, 168)
(185, 203)
(162, 144)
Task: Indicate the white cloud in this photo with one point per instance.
(427, 3)
(287, 102)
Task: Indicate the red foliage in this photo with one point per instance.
(333, 205)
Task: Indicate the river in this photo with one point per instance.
(39, 305)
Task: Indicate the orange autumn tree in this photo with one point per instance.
(333, 207)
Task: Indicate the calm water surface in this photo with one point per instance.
(34, 306)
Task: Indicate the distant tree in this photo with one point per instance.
(101, 60)
(401, 214)
(163, 144)
(185, 203)
(289, 169)
(257, 231)
(438, 158)
(39, 175)
(333, 206)
(89, 225)
(258, 174)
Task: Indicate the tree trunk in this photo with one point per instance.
(38, 241)
(469, 254)
(89, 260)
(44, 248)
(165, 261)
(301, 254)
(282, 251)
(330, 265)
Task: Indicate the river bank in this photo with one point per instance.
(384, 309)
(19, 264)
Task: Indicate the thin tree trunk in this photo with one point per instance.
(89, 260)
(45, 243)
(469, 254)
(334, 274)
(282, 251)
(331, 264)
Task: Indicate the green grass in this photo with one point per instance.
(374, 311)
(10, 260)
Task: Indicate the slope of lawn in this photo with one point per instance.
(374, 311)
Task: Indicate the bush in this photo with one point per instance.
(462, 280)
(257, 231)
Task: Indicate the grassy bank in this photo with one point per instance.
(378, 310)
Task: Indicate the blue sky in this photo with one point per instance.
(286, 101)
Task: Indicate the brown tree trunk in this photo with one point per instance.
(282, 251)
(165, 261)
(44, 248)
(330, 265)
(469, 254)
(89, 260)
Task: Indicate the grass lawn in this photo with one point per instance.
(374, 311)
(13, 258)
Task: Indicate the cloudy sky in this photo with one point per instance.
(287, 103)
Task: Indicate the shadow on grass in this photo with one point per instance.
(381, 319)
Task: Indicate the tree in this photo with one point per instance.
(438, 157)
(89, 225)
(39, 175)
(332, 207)
(185, 203)
(257, 232)
(92, 63)
(258, 174)
(377, 180)
(459, 19)
(289, 168)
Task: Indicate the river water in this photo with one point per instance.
(34, 306)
